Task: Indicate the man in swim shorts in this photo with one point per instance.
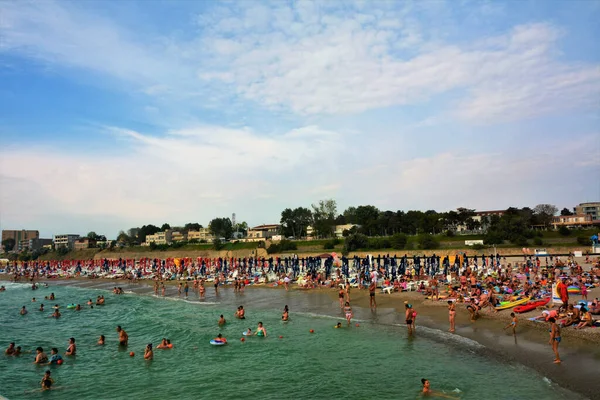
(372, 288)
(123, 337)
(409, 317)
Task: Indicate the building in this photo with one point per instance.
(84, 243)
(159, 238)
(17, 236)
(203, 234)
(33, 244)
(67, 240)
(575, 221)
(591, 209)
(262, 232)
(178, 236)
(339, 229)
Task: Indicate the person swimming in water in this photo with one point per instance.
(148, 353)
(72, 349)
(101, 340)
(54, 356)
(23, 311)
(123, 336)
(249, 332)
(40, 357)
(165, 344)
(42, 307)
(10, 350)
(222, 320)
(240, 313)
(338, 325)
(220, 339)
(286, 313)
(428, 392)
(47, 381)
(260, 330)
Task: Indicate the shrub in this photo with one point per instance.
(529, 234)
(399, 241)
(356, 241)
(194, 241)
(287, 245)
(478, 246)
(331, 243)
(273, 248)
(450, 233)
(379, 243)
(218, 244)
(261, 244)
(564, 231)
(537, 241)
(493, 238)
(152, 246)
(427, 242)
(63, 250)
(520, 241)
(583, 240)
(539, 234)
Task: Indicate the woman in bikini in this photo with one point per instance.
(348, 312)
(72, 349)
(451, 315)
(341, 296)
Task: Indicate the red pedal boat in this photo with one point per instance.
(532, 305)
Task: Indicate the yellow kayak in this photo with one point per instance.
(513, 303)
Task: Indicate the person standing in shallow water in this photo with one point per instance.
(123, 337)
(372, 302)
(554, 338)
(409, 318)
(451, 315)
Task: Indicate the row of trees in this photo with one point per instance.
(373, 222)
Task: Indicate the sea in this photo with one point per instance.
(371, 359)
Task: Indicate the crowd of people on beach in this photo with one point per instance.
(477, 283)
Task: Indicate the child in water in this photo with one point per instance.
(513, 323)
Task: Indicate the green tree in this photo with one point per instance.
(165, 227)
(355, 242)
(544, 213)
(294, 222)
(221, 227)
(399, 241)
(8, 244)
(191, 226)
(564, 231)
(218, 243)
(565, 212)
(146, 230)
(324, 217)
(92, 235)
(428, 242)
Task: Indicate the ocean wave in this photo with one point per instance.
(448, 337)
(315, 315)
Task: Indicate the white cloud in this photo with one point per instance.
(195, 173)
(347, 67)
(314, 58)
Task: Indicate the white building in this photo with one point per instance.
(67, 240)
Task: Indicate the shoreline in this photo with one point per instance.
(528, 348)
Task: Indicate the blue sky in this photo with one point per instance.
(118, 114)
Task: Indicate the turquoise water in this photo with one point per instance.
(370, 361)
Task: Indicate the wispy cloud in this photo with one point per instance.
(314, 58)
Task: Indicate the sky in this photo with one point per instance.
(120, 114)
